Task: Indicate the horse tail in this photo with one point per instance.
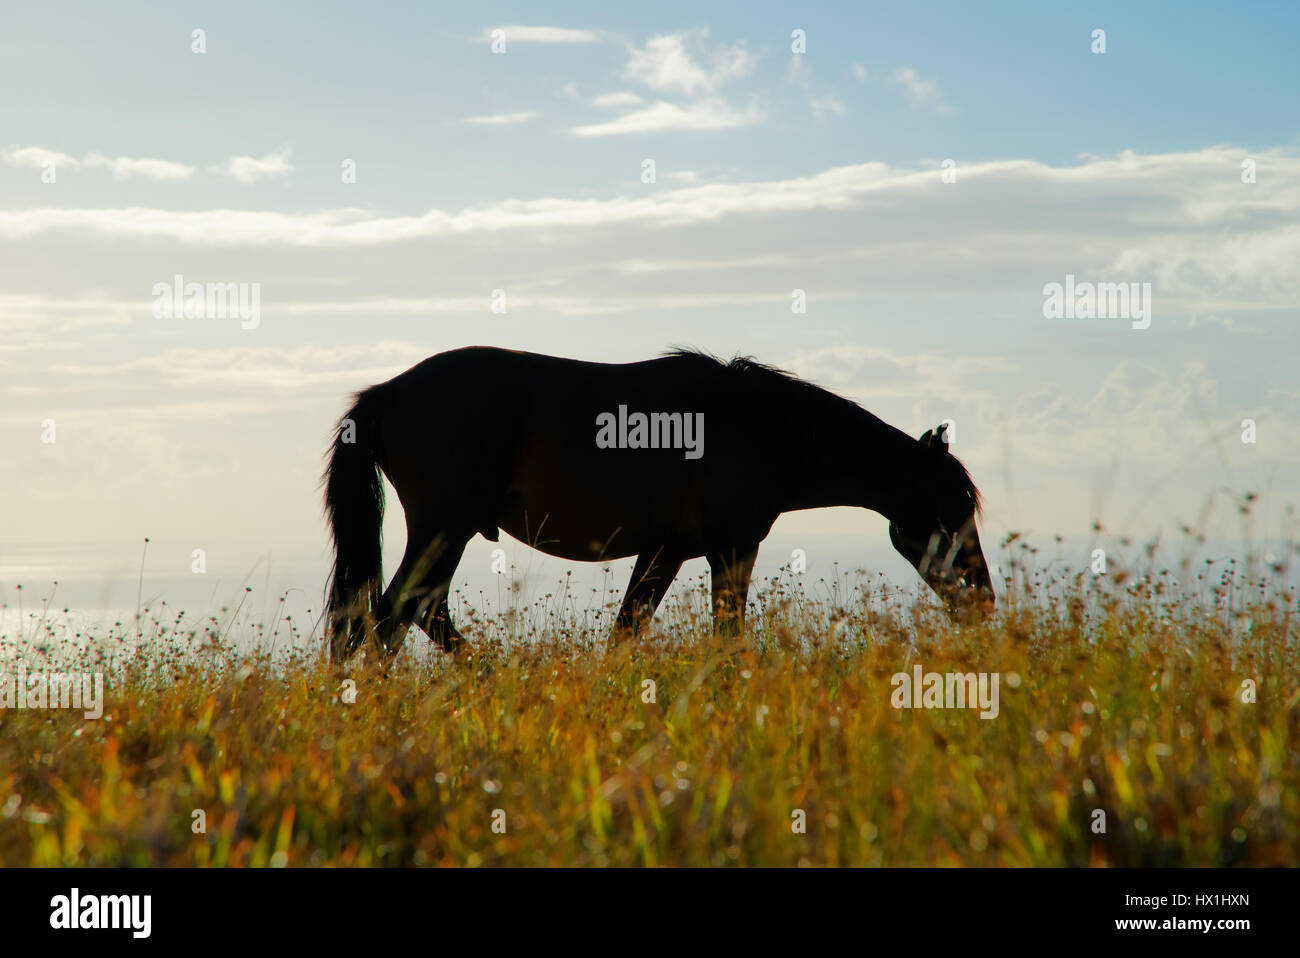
(354, 505)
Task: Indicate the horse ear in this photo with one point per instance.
(936, 440)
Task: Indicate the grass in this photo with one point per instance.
(1116, 697)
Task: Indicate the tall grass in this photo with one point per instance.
(1124, 699)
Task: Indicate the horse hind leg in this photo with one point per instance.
(418, 593)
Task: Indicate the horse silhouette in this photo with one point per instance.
(666, 460)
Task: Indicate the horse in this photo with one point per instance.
(669, 459)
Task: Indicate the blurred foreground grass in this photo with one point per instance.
(556, 751)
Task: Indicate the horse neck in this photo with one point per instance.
(852, 458)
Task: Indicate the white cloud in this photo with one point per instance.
(500, 119)
(274, 366)
(244, 168)
(569, 91)
(867, 371)
(37, 316)
(859, 71)
(616, 99)
(1182, 221)
(36, 156)
(826, 106)
(666, 65)
(250, 169)
(125, 167)
(639, 264)
(1156, 417)
(731, 63)
(920, 91)
(712, 114)
(542, 35)
(1262, 261)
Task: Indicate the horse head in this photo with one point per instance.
(936, 530)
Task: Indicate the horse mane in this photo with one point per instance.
(752, 369)
(968, 484)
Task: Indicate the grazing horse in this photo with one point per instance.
(667, 460)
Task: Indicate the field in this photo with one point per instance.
(1128, 732)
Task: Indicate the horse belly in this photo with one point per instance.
(595, 514)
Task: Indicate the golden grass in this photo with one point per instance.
(1123, 703)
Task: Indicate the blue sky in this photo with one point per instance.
(522, 171)
(392, 81)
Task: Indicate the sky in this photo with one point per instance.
(633, 180)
